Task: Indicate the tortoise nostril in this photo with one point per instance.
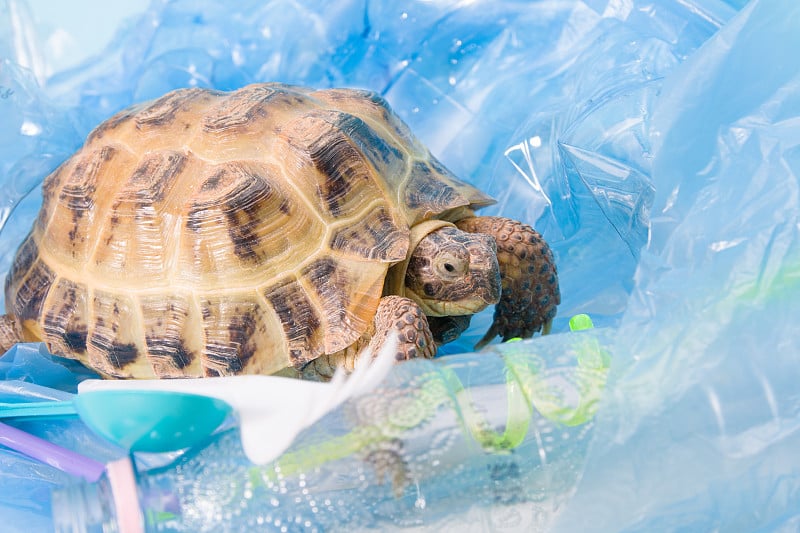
(449, 267)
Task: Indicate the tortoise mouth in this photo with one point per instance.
(476, 302)
(461, 308)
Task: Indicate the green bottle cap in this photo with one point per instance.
(580, 322)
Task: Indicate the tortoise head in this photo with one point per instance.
(452, 272)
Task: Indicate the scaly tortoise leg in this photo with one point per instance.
(528, 276)
(9, 333)
(395, 314)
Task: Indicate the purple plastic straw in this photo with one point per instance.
(51, 454)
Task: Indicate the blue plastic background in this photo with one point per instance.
(654, 143)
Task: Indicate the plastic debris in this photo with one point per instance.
(654, 143)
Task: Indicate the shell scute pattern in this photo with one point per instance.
(29, 301)
(361, 103)
(70, 218)
(168, 334)
(209, 233)
(249, 108)
(112, 344)
(331, 166)
(245, 218)
(346, 313)
(65, 326)
(163, 111)
(234, 330)
(374, 236)
(299, 320)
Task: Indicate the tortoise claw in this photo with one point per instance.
(528, 275)
(488, 337)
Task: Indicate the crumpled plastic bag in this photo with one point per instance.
(653, 143)
(700, 428)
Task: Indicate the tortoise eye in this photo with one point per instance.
(450, 266)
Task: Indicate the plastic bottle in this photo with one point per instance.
(99, 506)
(450, 444)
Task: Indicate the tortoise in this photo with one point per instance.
(272, 229)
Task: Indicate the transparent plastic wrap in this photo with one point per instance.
(469, 442)
(655, 146)
(700, 428)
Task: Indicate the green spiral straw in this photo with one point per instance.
(528, 391)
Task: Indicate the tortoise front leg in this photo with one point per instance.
(528, 276)
(395, 314)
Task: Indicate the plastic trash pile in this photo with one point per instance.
(655, 144)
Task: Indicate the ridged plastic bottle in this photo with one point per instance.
(486, 442)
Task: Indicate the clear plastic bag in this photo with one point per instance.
(653, 143)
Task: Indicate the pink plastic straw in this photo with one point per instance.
(51, 454)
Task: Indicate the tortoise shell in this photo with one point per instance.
(211, 233)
